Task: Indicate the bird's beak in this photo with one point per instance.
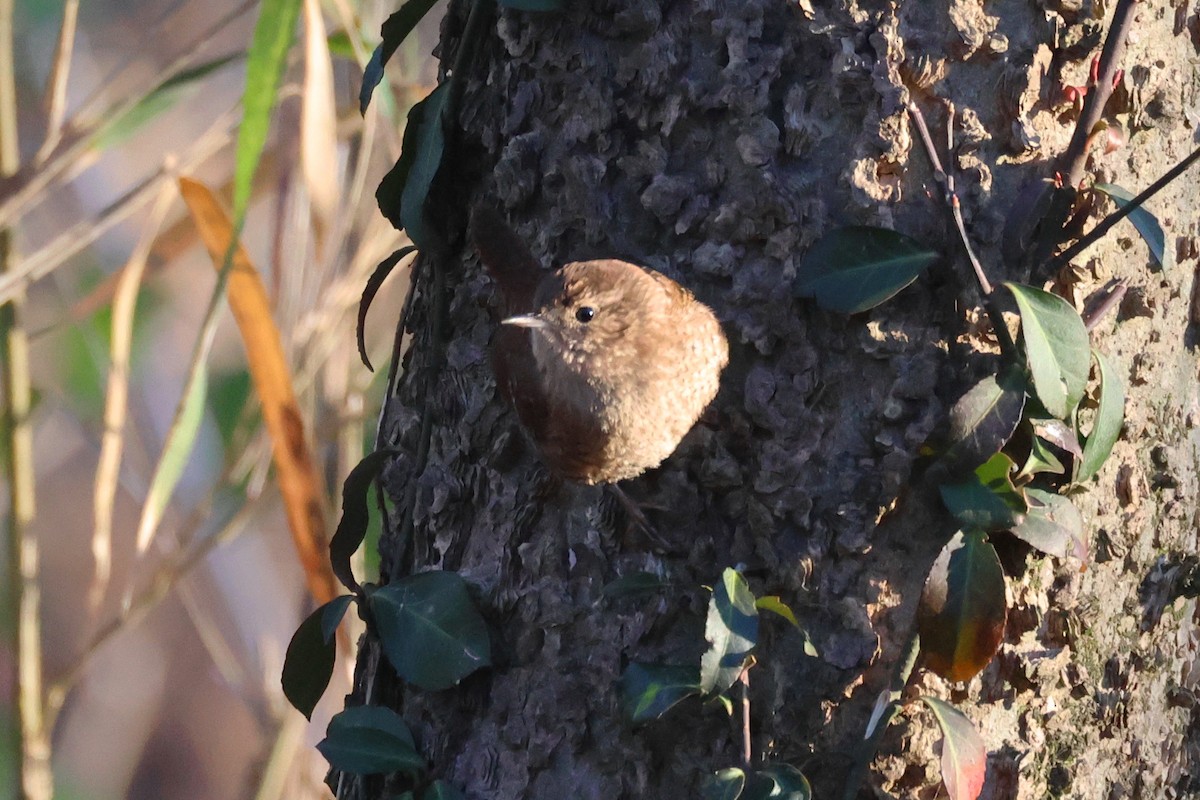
(526, 321)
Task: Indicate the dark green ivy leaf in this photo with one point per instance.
(981, 422)
(396, 29)
(311, 654)
(376, 280)
(430, 629)
(853, 269)
(370, 740)
(440, 790)
(352, 527)
(1053, 525)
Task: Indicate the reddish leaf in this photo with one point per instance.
(964, 755)
(962, 612)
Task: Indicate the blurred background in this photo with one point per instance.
(169, 584)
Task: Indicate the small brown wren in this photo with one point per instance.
(608, 364)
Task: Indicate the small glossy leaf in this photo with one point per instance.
(440, 790)
(396, 29)
(1056, 346)
(962, 612)
(356, 515)
(403, 191)
(264, 67)
(649, 690)
(987, 500)
(731, 630)
(726, 784)
(853, 269)
(1041, 459)
(311, 653)
(635, 583)
(1106, 427)
(981, 422)
(376, 280)
(1146, 223)
(533, 5)
(964, 755)
(430, 629)
(370, 740)
(773, 604)
(789, 782)
(1053, 525)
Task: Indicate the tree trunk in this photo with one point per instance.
(715, 142)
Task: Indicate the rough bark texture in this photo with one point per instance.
(715, 141)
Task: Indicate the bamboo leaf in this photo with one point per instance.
(1110, 417)
(264, 68)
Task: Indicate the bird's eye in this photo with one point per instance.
(585, 314)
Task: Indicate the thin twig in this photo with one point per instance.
(1113, 292)
(27, 186)
(35, 778)
(79, 236)
(1007, 346)
(116, 396)
(1074, 158)
(165, 578)
(1124, 211)
(747, 753)
(870, 745)
(56, 85)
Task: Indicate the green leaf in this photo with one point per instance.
(1106, 427)
(177, 450)
(1145, 222)
(853, 269)
(633, 584)
(962, 612)
(987, 500)
(964, 755)
(440, 790)
(981, 422)
(273, 35)
(533, 5)
(160, 99)
(356, 515)
(1053, 525)
(1041, 459)
(773, 604)
(376, 280)
(1057, 348)
(311, 653)
(370, 740)
(402, 192)
(227, 396)
(335, 610)
(430, 629)
(649, 690)
(731, 630)
(790, 783)
(396, 29)
(727, 784)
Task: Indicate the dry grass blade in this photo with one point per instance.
(299, 481)
(56, 85)
(116, 395)
(73, 240)
(318, 124)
